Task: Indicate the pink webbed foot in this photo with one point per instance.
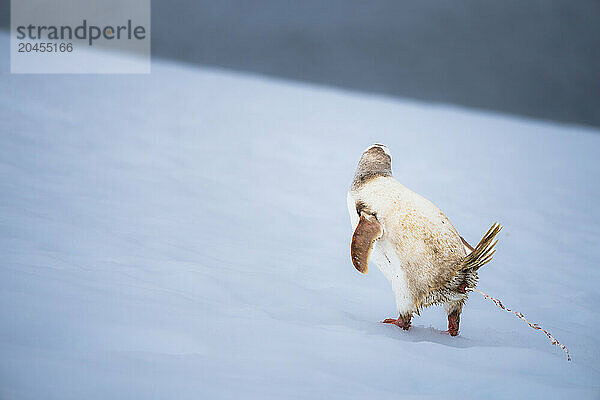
(401, 322)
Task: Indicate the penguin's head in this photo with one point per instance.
(375, 161)
(378, 152)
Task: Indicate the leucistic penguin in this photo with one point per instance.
(412, 242)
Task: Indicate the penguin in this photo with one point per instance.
(412, 242)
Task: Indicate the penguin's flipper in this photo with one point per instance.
(366, 233)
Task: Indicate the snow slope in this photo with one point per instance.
(184, 235)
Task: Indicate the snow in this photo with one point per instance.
(184, 235)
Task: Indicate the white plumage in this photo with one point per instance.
(411, 241)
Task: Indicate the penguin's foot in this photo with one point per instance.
(453, 321)
(401, 322)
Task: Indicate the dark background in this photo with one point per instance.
(533, 58)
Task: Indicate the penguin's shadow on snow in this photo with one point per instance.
(420, 333)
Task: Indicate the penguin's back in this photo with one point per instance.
(428, 247)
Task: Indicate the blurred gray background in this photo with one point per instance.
(532, 58)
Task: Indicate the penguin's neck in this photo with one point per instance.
(366, 174)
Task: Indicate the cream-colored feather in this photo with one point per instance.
(420, 252)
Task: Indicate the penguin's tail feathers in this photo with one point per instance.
(483, 252)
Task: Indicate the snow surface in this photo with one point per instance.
(184, 235)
